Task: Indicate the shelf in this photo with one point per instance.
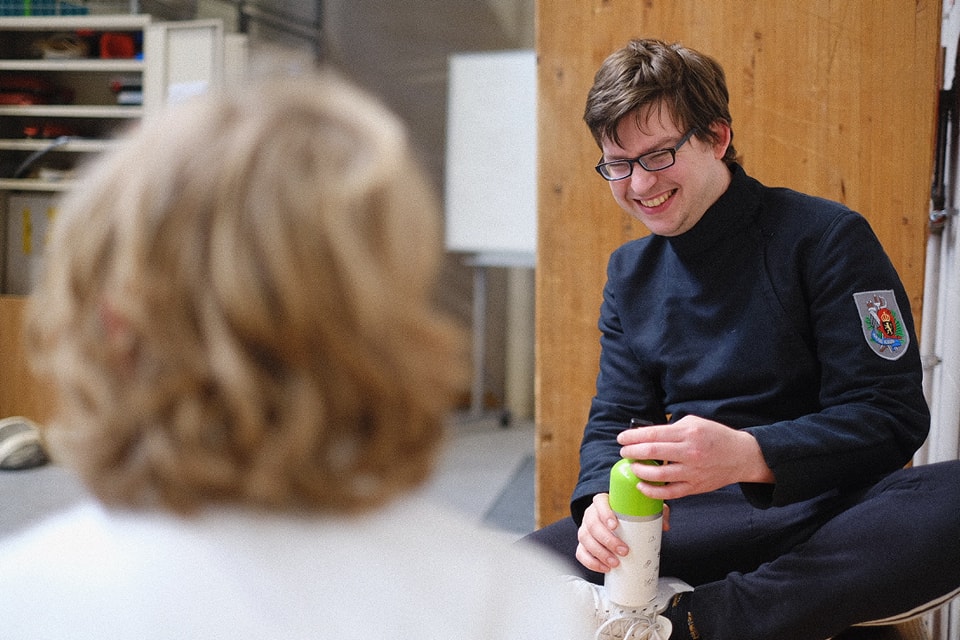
(74, 65)
(118, 22)
(177, 53)
(11, 184)
(80, 145)
(72, 111)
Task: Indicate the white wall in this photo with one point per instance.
(940, 333)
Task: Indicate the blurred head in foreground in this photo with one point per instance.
(237, 307)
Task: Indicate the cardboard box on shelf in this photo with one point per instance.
(28, 218)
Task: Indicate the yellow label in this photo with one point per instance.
(27, 232)
(51, 214)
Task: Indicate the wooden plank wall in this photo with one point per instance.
(20, 393)
(833, 98)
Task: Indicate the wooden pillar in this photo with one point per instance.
(20, 393)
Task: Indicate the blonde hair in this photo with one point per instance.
(237, 307)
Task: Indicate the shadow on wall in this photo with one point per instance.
(169, 9)
(400, 53)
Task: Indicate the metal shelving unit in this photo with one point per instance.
(59, 110)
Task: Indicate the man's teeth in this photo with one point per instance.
(656, 202)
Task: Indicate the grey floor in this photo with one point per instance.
(484, 472)
(487, 472)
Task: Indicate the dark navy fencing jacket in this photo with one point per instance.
(778, 313)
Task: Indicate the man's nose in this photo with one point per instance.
(641, 179)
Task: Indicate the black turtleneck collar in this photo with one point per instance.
(725, 217)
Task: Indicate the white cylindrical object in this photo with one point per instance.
(633, 583)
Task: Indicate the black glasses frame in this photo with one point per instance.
(602, 167)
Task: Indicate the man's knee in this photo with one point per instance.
(560, 538)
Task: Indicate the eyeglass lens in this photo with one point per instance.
(653, 161)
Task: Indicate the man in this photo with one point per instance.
(769, 340)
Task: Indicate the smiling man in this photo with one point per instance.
(742, 330)
(654, 196)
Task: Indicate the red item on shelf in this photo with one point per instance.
(19, 99)
(26, 83)
(27, 89)
(117, 45)
(48, 130)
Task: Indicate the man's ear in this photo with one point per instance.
(724, 135)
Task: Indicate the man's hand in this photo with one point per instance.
(600, 549)
(701, 456)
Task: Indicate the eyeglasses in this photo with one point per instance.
(657, 160)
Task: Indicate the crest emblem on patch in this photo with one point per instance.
(882, 325)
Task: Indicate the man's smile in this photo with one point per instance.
(659, 200)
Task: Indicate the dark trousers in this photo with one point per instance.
(809, 570)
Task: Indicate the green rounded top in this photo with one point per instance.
(625, 498)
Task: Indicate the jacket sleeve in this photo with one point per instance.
(873, 415)
(623, 392)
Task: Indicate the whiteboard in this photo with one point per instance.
(490, 195)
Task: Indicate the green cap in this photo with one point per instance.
(625, 498)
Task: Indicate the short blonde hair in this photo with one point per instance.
(238, 307)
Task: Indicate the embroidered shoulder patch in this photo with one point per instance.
(882, 325)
